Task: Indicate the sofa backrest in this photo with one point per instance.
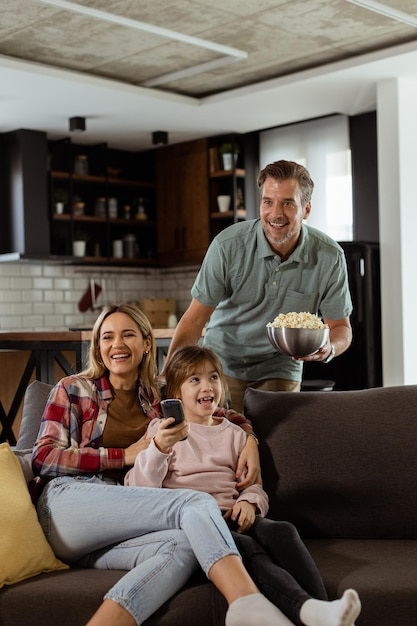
(340, 463)
(33, 406)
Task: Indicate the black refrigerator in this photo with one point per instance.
(360, 367)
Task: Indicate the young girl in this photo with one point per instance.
(272, 551)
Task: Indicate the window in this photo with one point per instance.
(322, 146)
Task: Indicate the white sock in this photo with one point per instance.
(255, 610)
(342, 612)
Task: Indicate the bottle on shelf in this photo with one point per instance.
(141, 212)
(81, 164)
(100, 207)
(130, 246)
(172, 320)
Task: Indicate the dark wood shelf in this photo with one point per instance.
(58, 175)
(223, 173)
(222, 215)
(130, 183)
(131, 222)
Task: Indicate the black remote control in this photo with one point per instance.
(173, 408)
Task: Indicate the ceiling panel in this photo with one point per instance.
(281, 39)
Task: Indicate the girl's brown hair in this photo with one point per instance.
(184, 362)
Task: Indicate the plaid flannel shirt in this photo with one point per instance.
(72, 426)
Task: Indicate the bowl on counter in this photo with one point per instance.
(298, 342)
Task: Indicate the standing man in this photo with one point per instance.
(259, 268)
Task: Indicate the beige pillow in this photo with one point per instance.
(24, 550)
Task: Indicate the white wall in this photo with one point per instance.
(397, 163)
(323, 147)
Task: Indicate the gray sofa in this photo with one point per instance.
(341, 465)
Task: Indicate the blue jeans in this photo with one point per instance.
(159, 535)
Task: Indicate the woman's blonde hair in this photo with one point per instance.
(184, 363)
(147, 369)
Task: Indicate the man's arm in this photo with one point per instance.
(190, 326)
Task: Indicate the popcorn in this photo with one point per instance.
(297, 320)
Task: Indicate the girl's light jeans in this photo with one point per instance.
(159, 535)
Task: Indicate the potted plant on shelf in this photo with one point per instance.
(61, 199)
(229, 152)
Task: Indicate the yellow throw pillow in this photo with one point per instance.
(24, 550)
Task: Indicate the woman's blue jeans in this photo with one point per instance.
(159, 535)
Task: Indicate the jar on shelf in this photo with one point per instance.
(81, 164)
(100, 207)
(79, 207)
(118, 248)
(112, 207)
(130, 246)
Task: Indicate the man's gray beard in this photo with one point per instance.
(284, 239)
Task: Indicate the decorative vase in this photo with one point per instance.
(229, 160)
(78, 247)
(223, 203)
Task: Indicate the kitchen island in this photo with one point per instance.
(45, 356)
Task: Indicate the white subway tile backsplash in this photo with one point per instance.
(21, 308)
(46, 297)
(63, 283)
(31, 270)
(19, 283)
(52, 270)
(12, 322)
(43, 283)
(7, 295)
(73, 296)
(54, 321)
(4, 282)
(62, 308)
(32, 321)
(43, 308)
(31, 295)
(56, 295)
(10, 269)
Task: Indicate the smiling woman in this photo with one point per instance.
(91, 432)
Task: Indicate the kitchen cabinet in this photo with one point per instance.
(181, 175)
(105, 196)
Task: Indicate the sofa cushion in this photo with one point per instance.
(342, 463)
(33, 406)
(383, 571)
(70, 598)
(24, 551)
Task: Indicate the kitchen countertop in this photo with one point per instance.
(67, 335)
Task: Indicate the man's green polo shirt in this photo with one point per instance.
(249, 286)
